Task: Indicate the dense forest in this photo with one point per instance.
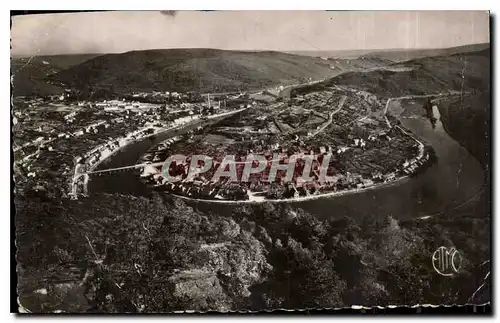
(116, 253)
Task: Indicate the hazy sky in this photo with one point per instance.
(114, 32)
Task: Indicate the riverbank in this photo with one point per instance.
(300, 198)
(470, 124)
(132, 138)
(128, 141)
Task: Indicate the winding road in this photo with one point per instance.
(330, 117)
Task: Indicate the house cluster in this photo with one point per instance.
(165, 94)
(70, 117)
(103, 151)
(115, 105)
(69, 130)
(359, 142)
(411, 166)
(259, 187)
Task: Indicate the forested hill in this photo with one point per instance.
(458, 72)
(192, 70)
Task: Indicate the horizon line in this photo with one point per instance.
(252, 50)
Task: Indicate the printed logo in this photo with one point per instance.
(446, 262)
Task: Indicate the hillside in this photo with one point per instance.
(344, 54)
(262, 257)
(399, 55)
(211, 70)
(192, 69)
(30, 72)
(458, 72)
(470, 124)
(358, 64)
(395, 55)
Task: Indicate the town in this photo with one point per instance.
(352, 127)
(58, 140)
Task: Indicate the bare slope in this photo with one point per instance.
(192, 69)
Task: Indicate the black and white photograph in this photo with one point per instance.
(250, 161)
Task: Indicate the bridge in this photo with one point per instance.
(79, 175)
(82, 178)
(119, 169)
(158, 164)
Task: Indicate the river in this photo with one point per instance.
(127, 182)
(456, 178)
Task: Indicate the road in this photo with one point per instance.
(330, 117)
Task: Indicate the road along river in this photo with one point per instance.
(456, 178)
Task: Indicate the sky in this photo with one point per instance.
(122, 31)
